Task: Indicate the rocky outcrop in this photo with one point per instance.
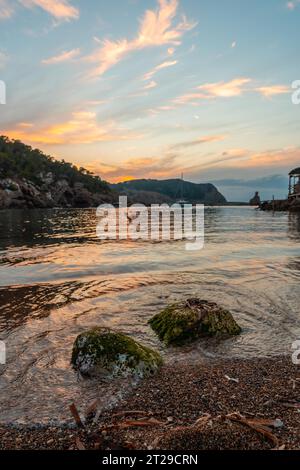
(103, 352)
(22, 193)
(191, 319)
(255, 201)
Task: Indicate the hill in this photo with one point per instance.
(171, 190)
(29, 178)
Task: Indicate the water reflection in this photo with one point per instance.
(57, 279)
(33, 227)
(294, 226)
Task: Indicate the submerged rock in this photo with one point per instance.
(192, 319)
(101, 351)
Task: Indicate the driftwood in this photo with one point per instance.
(76, 416)
(262, 426)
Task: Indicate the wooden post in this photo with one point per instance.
(273, 203)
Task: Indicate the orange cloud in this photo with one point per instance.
(245, 159)
(171, 165)
(25, 125)
(65, 56)
(137, 168)
(156, 29)
(6, 10)
(273, 90)
(82, 128)
(60, 9)
(273, 158)
(234, 87)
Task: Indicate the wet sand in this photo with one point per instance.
(204, 406)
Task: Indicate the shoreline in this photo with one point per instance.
(187, 407)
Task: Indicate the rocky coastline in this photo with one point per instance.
(19, 193)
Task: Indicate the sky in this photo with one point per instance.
(155, 88)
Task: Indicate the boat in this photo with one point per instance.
(182, 201)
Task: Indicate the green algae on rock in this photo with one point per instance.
(101, 351)
(191, 319)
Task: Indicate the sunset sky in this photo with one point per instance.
(153, 88)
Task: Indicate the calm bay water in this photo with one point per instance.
(57, 279)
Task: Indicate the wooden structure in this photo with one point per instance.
(294, 185)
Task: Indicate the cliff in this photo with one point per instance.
(29, 178)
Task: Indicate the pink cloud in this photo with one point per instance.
(65, 56)
(60, 9)
(156, 29)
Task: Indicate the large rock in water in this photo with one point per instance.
(101, 351)
(192, 319)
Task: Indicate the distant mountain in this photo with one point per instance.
(29, 178)
(171, 190)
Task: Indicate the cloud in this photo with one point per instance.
(239, 160)
(273, 90)
(171, 50)
(81, 128)
(137, 168)
(292, 5)
(150, 85)
(65, 56)
(230, 89)
(202, 140)
(163, 65)
(235, 87)
(245, 159)
(61, 10)
(233, 44)
(285, 157)
(156, 29)
(26, 125)
(6, 10)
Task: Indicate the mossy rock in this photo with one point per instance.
(101, 351)
(194, 318)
